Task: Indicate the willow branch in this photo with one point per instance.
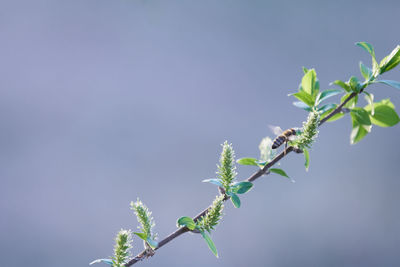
(264, 171)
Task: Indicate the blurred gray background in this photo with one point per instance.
(102, 102)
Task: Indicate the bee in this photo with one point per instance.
(283, 136)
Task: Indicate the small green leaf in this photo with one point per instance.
(242, 187)
(305, 98)
(361, 124)
(308, 82)
(367, 47)
(370, 99)
(235, 200)
(213, 181)
(210, 243)
(327, 94)
(108, 261)
(141, 235)
(307, 158)
(355, 84)
(394, 84)
(342, 84)
(365, 71)
(384, 115)
(357, 134)
(153, 244)
(279, 171)
(186, 221)
(229, 192)
(305, 70)
(302, 106)
(261, 163)
(326, 107)
(316, 87)
(390, 61)
(360, 116)
(247, 161)
(370, 49)
(351, 103)
(336, 117)
(385, 102)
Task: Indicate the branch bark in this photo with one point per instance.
(264, 171)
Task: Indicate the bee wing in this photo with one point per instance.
(275, 129)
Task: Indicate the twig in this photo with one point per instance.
(253, 177)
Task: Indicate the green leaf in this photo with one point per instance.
(316, 87)
(355, 84)
(326, 107)
(141, 235)
(360, 116)
(370, 49)
(186, 221)
(365, 71)
(385, 102)
(352, 102)
(307, 158)
(370, 99)
(367, 47)
(261, 163)
(247, 161)
(229, 192)
(242, 187)
(153, 244)
(308, 82)
(305, 98)
(210, 243)
(327, 112)
(235, 200)
(357, 134)
(213, 181)
(361, 124)
(302, 106)
(390, 61)
(342, 84)
(305, 70)
(279, 171)
(384, 115)
(336, 117)
(394, 84)
(327, 94)
(108, 261)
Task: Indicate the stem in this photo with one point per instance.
(253, 177)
